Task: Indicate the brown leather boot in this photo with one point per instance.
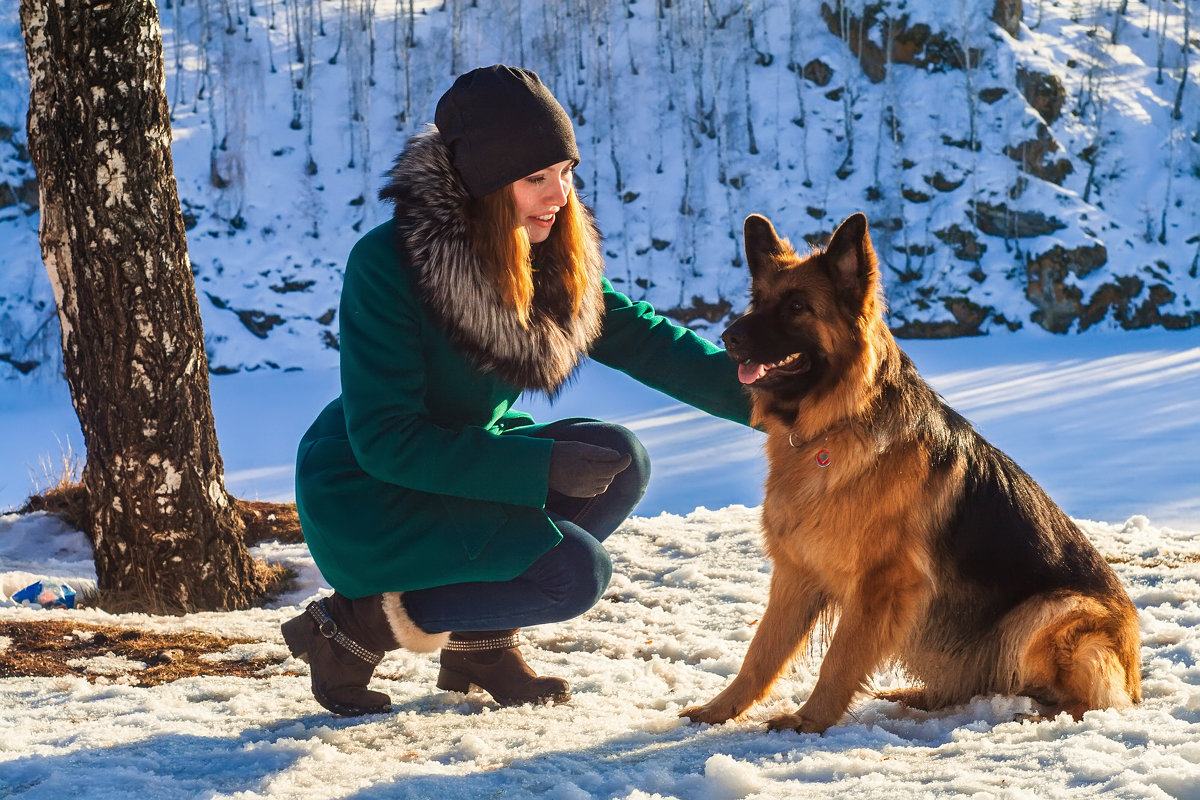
(343, 640)
(492, 661)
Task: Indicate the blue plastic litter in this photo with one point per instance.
(47, 595)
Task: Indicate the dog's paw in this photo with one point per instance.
(708, 713)
(795, 722)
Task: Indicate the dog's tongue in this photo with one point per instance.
(749, 373)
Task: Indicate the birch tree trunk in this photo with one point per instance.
(166, 536)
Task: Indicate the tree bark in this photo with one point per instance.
(165, 532)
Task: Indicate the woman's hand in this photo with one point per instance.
(584, 470)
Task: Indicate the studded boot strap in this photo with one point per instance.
(502, 642)
(329, 629)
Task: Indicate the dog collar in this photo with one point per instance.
(822, 458)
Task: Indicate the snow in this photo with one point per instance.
(671, 630)
(1108, 423)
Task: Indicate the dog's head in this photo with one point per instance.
(808, 316)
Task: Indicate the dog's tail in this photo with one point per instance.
(1086, 656)
(1096, 676)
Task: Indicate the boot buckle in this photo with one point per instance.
(329, 629)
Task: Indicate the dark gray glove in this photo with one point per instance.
(584, 470)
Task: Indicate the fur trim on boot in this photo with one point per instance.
(343, 640)
(407, 633)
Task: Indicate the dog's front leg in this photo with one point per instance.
(875, 619)
(792, 609)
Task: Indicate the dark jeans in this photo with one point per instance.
(572, 576)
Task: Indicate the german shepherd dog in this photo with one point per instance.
(885, 507)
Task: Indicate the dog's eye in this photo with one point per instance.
(797, 307)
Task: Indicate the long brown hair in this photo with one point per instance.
(502, 245)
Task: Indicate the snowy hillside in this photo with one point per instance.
(1042, 170)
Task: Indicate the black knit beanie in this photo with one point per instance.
(502, 124)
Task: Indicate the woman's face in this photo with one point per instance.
(541, 196)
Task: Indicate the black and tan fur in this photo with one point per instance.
(932, 547)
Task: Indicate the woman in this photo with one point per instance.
(443, 518)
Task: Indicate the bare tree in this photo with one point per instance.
(1177, 111)
(1120, 15)
(403, 110)
(165, 531)
(797, 20)
(1093, 103)
(1161, 25)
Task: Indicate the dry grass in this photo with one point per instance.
(269, 521)
(43, 648)
(1170, 560)
(264, 521)
(66, 499)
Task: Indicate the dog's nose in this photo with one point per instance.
(733, 337)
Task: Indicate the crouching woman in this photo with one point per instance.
(444, 518)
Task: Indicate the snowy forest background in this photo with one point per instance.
(1021, 165)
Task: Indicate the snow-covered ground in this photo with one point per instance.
(1110, 424)
(671, 631)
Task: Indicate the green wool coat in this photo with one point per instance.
(418, 475)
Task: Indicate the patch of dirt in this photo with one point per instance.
(55, 648)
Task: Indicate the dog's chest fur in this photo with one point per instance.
(848, 503)
(810, 514)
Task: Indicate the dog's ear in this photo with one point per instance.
(850, 259)
(763, 246)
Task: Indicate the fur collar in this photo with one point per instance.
(430, 227)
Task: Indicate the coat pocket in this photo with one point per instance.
(475, 521)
